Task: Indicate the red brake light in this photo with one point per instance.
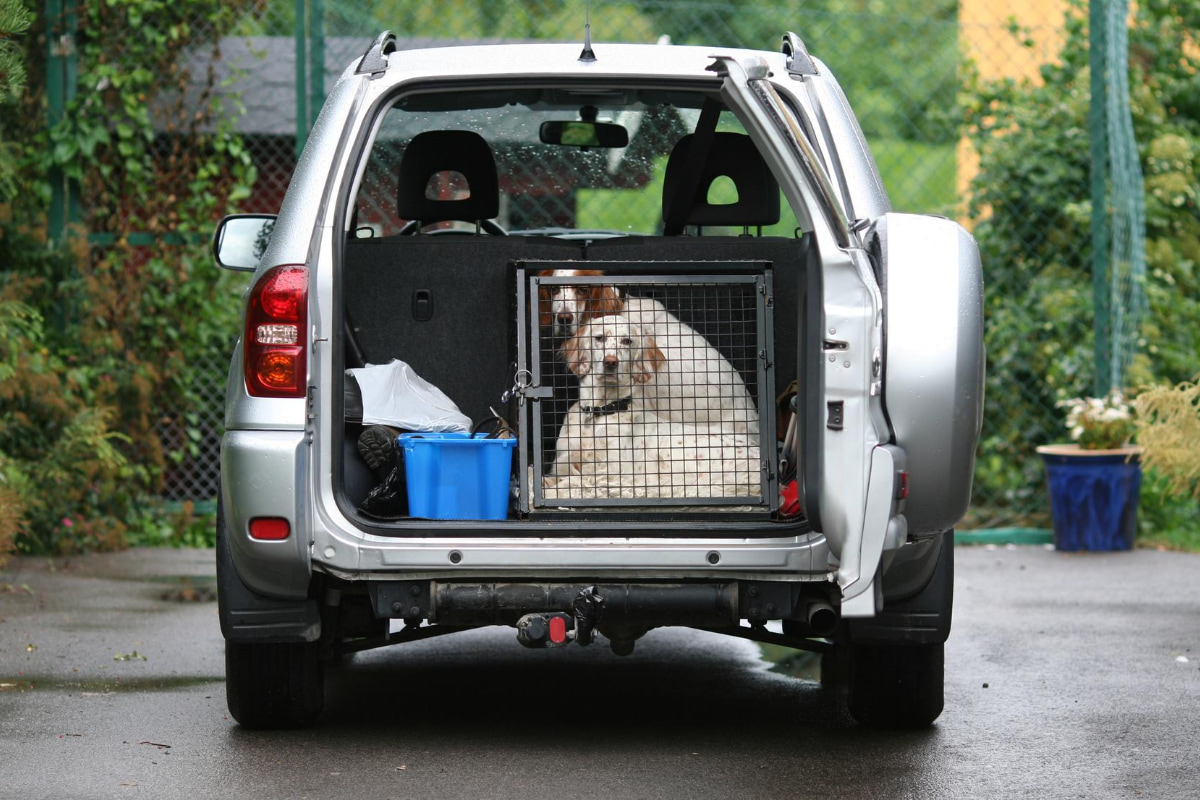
(269, 528)
(275, 357)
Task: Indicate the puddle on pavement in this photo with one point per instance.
(182, 588)
(192, 590)
(200, 580)
(26, 683)
(799, 664)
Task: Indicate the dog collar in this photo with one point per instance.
(611, 408)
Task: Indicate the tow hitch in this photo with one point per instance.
(557, 614)
(545, 630)
(554, 629)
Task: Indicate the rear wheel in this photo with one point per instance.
(896, 686)
(267, 684)
(274, 685)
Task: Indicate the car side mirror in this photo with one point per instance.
(241, 240)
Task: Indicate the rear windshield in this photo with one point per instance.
(548, 184)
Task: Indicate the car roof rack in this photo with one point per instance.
(375, 59)
(799, 62)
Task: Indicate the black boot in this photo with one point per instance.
(377, 446)
(389, 499)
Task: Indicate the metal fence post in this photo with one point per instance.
(316, 56)
(301, 77)
(1098, 128)
(61, 75)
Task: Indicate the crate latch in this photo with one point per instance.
(523, 388)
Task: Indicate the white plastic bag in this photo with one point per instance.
(393, 394)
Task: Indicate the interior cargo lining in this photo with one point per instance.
(445, 304)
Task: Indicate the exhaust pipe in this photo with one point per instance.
(821, 618)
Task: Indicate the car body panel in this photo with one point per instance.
(278, 457)
(270, 468)
(934, 364)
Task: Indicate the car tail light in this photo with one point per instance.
(269, 528)
(275, 357)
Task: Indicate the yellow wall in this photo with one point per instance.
(997, 53)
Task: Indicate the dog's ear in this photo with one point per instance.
(545, 311)
(603, 300)
(574, 351)
(651, 361)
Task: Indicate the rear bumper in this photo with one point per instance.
(267, 473)
(802, 558)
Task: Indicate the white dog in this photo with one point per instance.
(694, 382)
(614, 444)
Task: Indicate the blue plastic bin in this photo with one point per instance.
(457, 476)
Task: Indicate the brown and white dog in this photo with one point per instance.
(693, 383)
(613, 444)
(564, 308)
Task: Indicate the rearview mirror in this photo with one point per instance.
(241, 240)
(584, 134)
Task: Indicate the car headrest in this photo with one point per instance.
(464, 152)
(734, 156)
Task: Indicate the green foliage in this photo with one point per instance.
(1168, 429)
(58, 455)
(159, 524)
(144, 143)
(902, 92)
(14, 21)
(142, 170)
(1166, 520)
(920, 177)
(1030, 204)
(907, 88)
(18, 324)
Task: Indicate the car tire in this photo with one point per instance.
(267, 684)
(270, 686)
(896, 686)
(835, 670)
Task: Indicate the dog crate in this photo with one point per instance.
(647, 388)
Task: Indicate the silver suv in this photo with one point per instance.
(591, 343)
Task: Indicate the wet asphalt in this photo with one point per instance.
(1067, 676)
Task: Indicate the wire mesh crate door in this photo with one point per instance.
(649, 390)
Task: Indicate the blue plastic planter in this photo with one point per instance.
(1093, 496)
(456, 476)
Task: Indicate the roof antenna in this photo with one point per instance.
(587, 54)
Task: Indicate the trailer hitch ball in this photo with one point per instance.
(621, 647)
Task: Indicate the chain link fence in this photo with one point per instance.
(193, 438)
(903, 69)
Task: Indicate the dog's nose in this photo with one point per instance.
(565, 320)
(610, 363)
